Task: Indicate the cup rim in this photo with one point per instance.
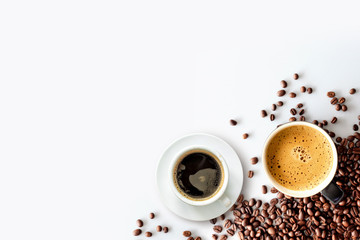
(309, 192)
(220, 192)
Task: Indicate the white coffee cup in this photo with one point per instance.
(218, 195)
(332, 192)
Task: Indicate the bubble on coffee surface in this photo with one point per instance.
(299, 157)
(198, 175)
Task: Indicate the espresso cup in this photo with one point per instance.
(300, 160)
(199, 176)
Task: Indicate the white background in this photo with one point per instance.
(92, 92)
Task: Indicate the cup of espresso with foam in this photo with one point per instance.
(300, 159)
(199, 176)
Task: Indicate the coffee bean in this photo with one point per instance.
(300, 105)
(272, 117)
(283, 84)
(263, 113)
(273, 190)
(148, 234)
(233, 122)
(214, 237)
(217, 229)
(302, 118)
(292, 95)
(352, 91)
(254, 160)
(303, 89)
(273, 107)
(292, 119)
(151, 215)
(190, 238)
(139, 223)
(137, 232)
(320, 125)
(355, 127)
(293, 111)
(274, 201)
(223, 237)
(281, 93)
(296, 76)
(158, 228)
(227, 223)
(315, 122)
(332, 134)
(198, 238)
(334, 120)
(250, 174)
(271, 230)
(245, 136)
(325, 123)
(334, 101)
(342, 100)
(302, 111)
(309, 90)
(337, 107)
(213, 221)
(187, 233)
(222, 217)
(165, 229)
(264, 189)
(344, 108)
(280, 195)
(280, 103)
(230, 232)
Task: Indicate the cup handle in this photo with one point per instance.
(225, 201)
(333, 193)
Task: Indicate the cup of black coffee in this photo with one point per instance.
(199, 176)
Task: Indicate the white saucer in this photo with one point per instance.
(199, 213)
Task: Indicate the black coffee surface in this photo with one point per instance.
(198, 175)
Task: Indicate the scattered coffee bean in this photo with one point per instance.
(334, 101)
(165, 229)
(198, 238)
(217, 229)
(271, 230)
(254, 160)
(245, 136)
(330, 94)
(342, 100)
(264, 189)
(227, 223)
(303, 89)
(292, 95)
(315, 122)
(272, 117)
(281, 93)
(230, 232)
(302, 118)
(355, 127)
(187, 233)
(302, 111)
(283, 84)
(309, 90)
(300, 105)
(337, 107)
(280, 103)
(233, 122)
(325, 123)
(250, 174)
(148, 234)
(214, 237)
(292, 119)
(334, 120)
(137, 232)
(273, 190)
(213, 221)
(273, 107)
(139, 223)
(293, 111)
(222, 217)
(223, 237)
(332, 134)
(158, 228)
(263, 113)
(296, 76)
(151, 215)
(352, 91)
(344, 108)
(190, 238)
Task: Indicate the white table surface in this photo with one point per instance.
(92, 92)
